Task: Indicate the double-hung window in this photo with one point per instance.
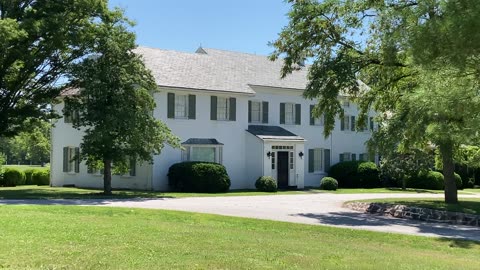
(181, 106)
(290, 114)
(71, 160)
(318, 160)
(256, 112)
(223, 108)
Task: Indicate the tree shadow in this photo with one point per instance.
(459, 243)
(413, 190)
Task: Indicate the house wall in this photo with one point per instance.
(230, 133)
(244, 161)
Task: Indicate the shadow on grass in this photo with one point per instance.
(459, 243)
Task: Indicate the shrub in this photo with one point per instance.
(266, 183)
(458, 181)
(426, 180)
(356, 174)
(198, 177)
(12, 177)
(28, 176)
(468, 182)
(41, 177)
(328, 183)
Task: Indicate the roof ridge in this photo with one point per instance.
(235, 52)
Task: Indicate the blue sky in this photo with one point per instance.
(236, 25)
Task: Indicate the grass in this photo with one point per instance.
(26, 167)
(46, 192)
(72, 237)
(469, 206)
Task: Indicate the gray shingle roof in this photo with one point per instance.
(202, 141)
(273, 133)
(218, 70)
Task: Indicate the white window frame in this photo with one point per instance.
(218, 154)
(71, 160)
(346, 122)
(223, 103)
(178, 106)
(319, 121)
(290, 121)
(318, 160)
(259, 111)
(347, 156)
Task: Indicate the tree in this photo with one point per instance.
(31, 145)
(115, 103)
(425, 87)
(38, 40)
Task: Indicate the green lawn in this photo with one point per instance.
(26, 167)
(45, 192)
(71, 237)
(470, 206)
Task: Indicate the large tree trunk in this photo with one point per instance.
(107, 177)
(451, 194)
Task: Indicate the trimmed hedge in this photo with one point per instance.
(356, 174)
(328, 183)
(427, 180)
(41, 177)
(198, 177)
(266, 183)
(458, 181)
(12, 177)
(28, 176)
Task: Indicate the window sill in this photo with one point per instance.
(318, 173)
(71, 173)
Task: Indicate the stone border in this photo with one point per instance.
(417, 213)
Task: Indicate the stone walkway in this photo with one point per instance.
(316, 209)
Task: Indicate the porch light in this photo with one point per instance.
(300, 154)
(269, 154)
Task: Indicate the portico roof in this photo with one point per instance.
(274, 133)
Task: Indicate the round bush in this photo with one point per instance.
(266, 183)
(458, 181)
(356, 174)
(28, 176)
(426, 180)
(41, 177)
(12, 177)
(328, 183)
(198, 177)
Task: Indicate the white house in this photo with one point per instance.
(231, 108)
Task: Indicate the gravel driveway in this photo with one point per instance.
(316, 209)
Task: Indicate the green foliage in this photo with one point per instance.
(328, 183)
(28, 176)
(458, 181)
(12, 177)
(38, 40)
(198, 177)
(356, 174)
(468, 182)
(115, 104)
(426, 180)
(266, 183)
(425, 92)
(41, 177)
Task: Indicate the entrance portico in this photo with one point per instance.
(282, 155)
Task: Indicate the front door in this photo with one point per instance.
(282, 169)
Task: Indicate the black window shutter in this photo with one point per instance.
(298, 114)
(354, 157)
(342, 158)
(342, 123)
(352, 123)
(249, 111)
(265, 112)
(65, 159)
(282, 113)
(192, 106)
(77, 159)
(170, 105)
(326, 160)
(371, 124)
(312, 119)
(213, 108)
(311, 160)
(233, 109)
